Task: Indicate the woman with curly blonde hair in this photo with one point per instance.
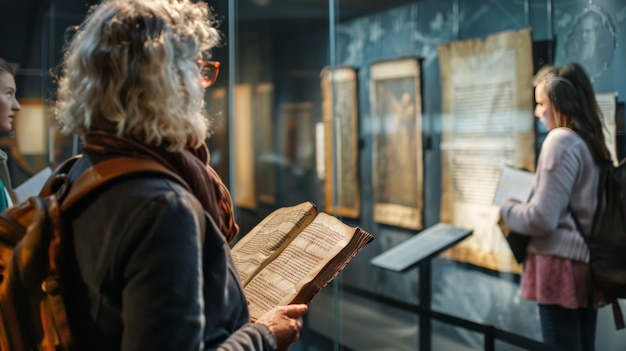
(147, 278)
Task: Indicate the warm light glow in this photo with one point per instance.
(31, 131)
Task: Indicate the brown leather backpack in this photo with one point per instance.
(32, 257)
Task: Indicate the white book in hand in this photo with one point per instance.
(32, 186)
(514, 183)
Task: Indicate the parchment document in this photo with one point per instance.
(245, 195)
(607, 103)
(487, 121)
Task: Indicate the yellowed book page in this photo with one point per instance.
(299, 263)
(270, 236)
(608, 104)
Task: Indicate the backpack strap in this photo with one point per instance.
(114, 168)
(58, 176)
(108, 170)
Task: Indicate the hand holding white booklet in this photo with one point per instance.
(32, 186)
(514, 183)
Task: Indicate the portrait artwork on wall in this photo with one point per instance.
(340, 118)
(591, 40)
(266, 161)
(298, 135)
(245, 194)
(396, 108)
(218, 123)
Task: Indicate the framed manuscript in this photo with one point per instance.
(397, 142)
(341, 145)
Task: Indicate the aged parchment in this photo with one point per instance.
(293, 253)
(397, 142)
(608, 105)
(487, 102)
(339, 108)
(245, 195)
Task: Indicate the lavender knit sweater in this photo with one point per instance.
(566, 176)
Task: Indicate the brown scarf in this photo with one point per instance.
(192, 165)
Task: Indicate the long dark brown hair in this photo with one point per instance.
(572, 97)
(588, 124)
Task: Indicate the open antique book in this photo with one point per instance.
(292, 254)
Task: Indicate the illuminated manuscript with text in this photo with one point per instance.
(487, 123)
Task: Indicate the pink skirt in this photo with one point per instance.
(552, 280)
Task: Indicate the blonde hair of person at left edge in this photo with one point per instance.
(8, 107)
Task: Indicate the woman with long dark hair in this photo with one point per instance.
(556, 273)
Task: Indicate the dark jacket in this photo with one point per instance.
(144, 280)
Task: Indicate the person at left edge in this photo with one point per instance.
(8, 107)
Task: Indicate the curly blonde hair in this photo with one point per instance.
(131, 70)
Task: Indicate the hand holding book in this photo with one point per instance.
(515, 185)
(293, 253)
